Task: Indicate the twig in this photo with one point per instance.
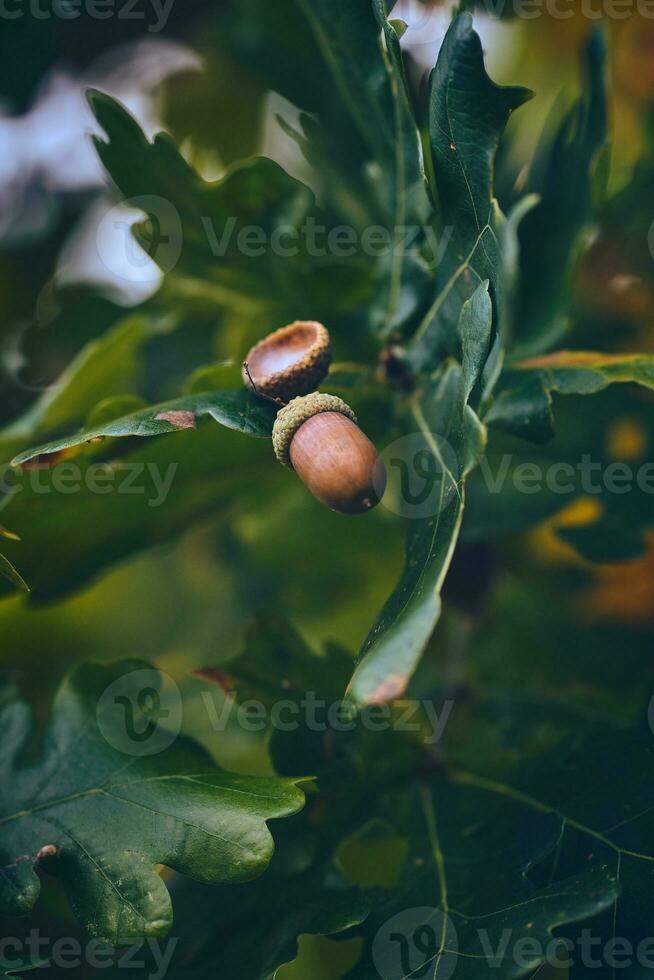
(261, 394)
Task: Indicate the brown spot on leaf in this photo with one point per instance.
(215, 675)
(389, 689)
(46, 460)
(181, 420)
(47, 851)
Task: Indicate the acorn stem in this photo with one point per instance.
(261, 394)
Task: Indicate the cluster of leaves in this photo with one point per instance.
(519, 836)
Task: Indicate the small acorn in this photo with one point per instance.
(317, 436)
(289, 362)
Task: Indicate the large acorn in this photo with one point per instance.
(317, 436)
(291, 361)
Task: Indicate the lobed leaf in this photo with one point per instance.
(553, 235)
(467, 116)
(516, 842)
(210, 933)
(454, 437)
(523, 405)
(114, 508)
(99, 816)
(104, 368)
(195, 229)
(238, 410)
(465, 888)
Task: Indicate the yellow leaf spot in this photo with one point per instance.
(626, 440)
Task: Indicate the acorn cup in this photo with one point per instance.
(315, 434)
(291, 361)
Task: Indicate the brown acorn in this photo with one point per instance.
(318, 437)
(289, 362)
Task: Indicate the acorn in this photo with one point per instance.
(317, 435)
(289, 362)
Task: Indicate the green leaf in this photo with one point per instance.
(340, 63)
(224, 243)
(276, 662)
(70, 533)
(317, 732)
(347, 37)
(598, 829)
(453, 437)
(277, 665)
(110, 409)
(107, 510)
(466, 885)
(326, 60)
(468, 113)
(554, 233)
(304, 891)
(523, 404)
(98, 815)
(8, 572)
(517, 485)
(211, 377)
(518, 838)
(24, 966)
(492, 515)
(238, 410)
(103, 368)
(614, 538)
(411, 205)
(367, 71)
(214, 938)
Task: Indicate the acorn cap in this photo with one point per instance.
(289, 362)
(296, 413)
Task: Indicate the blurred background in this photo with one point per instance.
(184, 591)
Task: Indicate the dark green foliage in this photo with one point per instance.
(529, 810)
